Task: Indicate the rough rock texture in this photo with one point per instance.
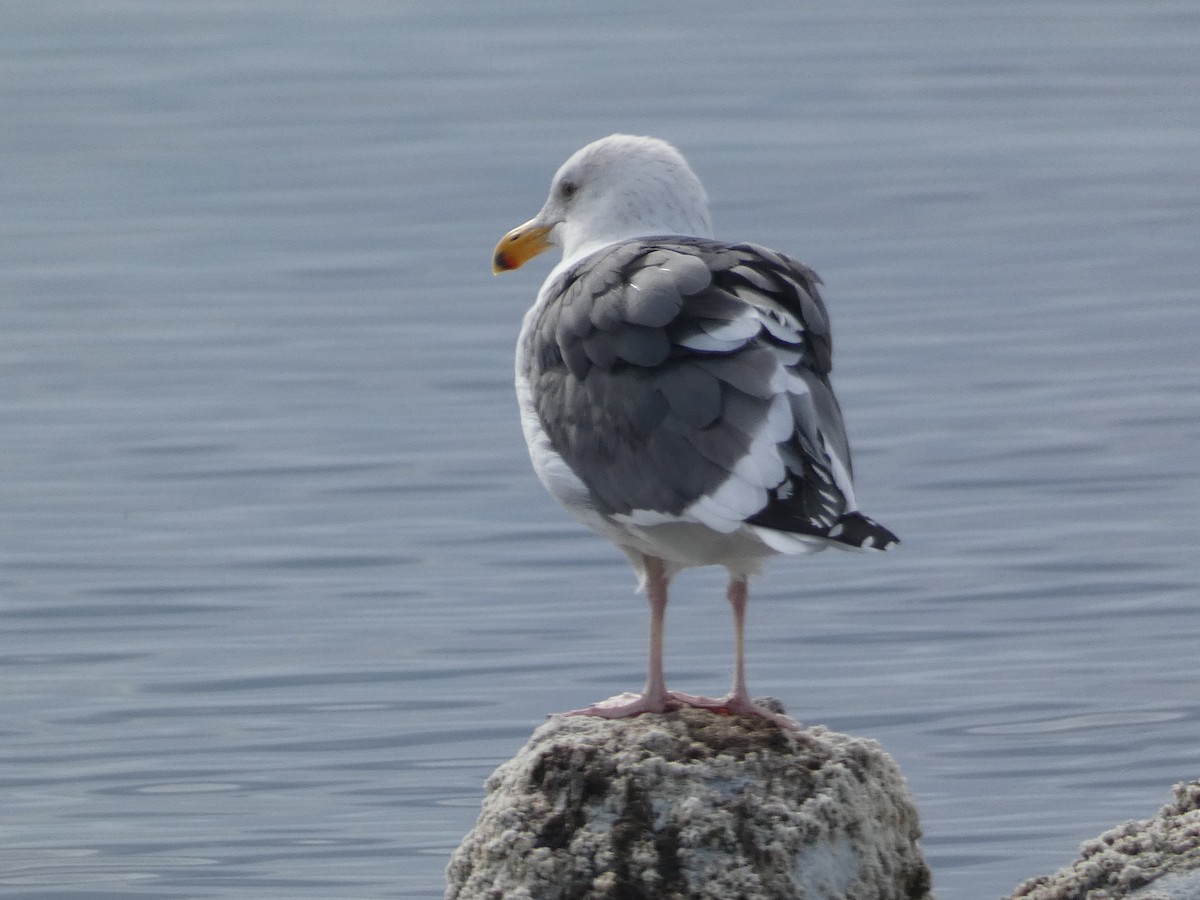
(692, 804)
(1158, 859)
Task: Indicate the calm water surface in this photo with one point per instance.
(277, 586)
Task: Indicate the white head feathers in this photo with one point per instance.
(623, 187)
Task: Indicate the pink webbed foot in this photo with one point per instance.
(734, 705)
(628, 705)
(624, 706)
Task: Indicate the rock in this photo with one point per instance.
(1158, 859)
(692, 804)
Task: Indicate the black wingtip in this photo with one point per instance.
(856, 530)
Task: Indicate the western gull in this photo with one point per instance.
(674, 391)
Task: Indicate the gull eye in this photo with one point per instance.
(568, 189)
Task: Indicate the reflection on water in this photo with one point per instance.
(278, 587)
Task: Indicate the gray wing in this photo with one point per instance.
(684, 378)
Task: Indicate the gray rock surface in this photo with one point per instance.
(1158, 859)
(692, 804)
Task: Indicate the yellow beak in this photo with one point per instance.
(519, 246)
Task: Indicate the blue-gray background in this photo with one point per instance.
(278, 588)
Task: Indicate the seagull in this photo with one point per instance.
(674, 392)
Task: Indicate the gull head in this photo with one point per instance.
(614, 189)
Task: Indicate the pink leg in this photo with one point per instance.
(654, 697)
(738, 593)
(655, 691)
(737, 702)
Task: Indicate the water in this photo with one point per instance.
(278, 588)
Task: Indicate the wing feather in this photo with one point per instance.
(684, 379)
